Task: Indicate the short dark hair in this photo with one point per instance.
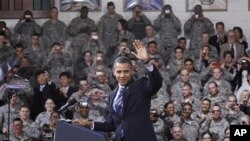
(187, 104)
(206, 99)
(167, 103)
(87, 51)
(122, 60)
(152, 42)
(182, 38)
(84, 8)
(240, 30)
(189, 60)
(19, 45)
(208, 134)
(220, 23)
(124, 40)
(213, 82)
(17, 119)
(25, 106)
(188, 85)
(66, 74)
(137, 6)
(124, 24)
(228, 53)
(178, 48)
(110, 3)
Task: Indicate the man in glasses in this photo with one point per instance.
(218, 124)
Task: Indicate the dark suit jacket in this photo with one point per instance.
(213, 41)
(135, 121)
(240, 51)
(37, 101)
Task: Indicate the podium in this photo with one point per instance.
(70, 132)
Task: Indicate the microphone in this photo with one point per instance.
(69, 103)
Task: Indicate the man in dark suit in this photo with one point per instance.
(219, 38)
(129, 103)
(42, 92)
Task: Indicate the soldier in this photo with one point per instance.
(154, 52)
(29, 126)
(101, 65)
(107, 26)
(218, 124)
(81, 24)
(15, 105)
(95, 43)
(98, 106)
(190, 127)
(202, 116)
(195, 26)
(169, 27)
(223, 86)
(170, 118)
(176, 89)
(11, 39)
(151, 36)
(158, 125)
(81, 94)
(138, 22)
(214, 95)
(177, 133)
(182, 42)
(233, 113)
(176, 64)
(18, 131)
(35, 51)
(124, 33)
(59, 60)
(44, 117)
(213, 53)
(101, 81)
(26, 27)
(82, 66)
(187, 97)
(54, 30)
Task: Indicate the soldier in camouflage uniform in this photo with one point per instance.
(107, 26)
(187, 97)
(44, 117)
(54, 30)
(11, 39)
(151, 36)
(223, 86)
(176, 64)
(182, 42)
(138, 22)
(190, 127)
(176, 89)
(194, 28)
(124, 33)
(26, 27)
(18, 133)
(15, 104)
(214, 95)
(81, 24)
(35, 51)
(213, 52)
(95, 43)
(59, 60)
(169, 27)
(170, 118)
(232, 112)
(217, 124)
(98, 106)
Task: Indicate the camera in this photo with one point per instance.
(243, 61)
(28, 16)
(95, 37)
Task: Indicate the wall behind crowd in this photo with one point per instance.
(237, 14)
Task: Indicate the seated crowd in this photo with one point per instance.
(205, 84)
